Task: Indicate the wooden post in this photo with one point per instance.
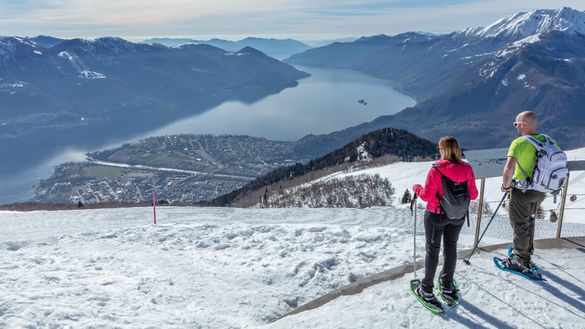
(563, 199)
(479, 211)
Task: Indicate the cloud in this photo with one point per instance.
(331, 18)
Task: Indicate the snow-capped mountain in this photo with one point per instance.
(100, 46)
(46, 41)
(523, 25)
(74, 75)
(10, 47)
(477, 76)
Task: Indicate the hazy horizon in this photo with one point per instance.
(303, 20)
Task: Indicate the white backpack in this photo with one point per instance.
(550, 170)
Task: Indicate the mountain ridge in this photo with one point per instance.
(278, 48)
(53, 96)
(460, 81)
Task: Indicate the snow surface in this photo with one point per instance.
(522, 25)
(74, 60)
(490, 299)
(65, 54)
(235, 54)
(199, 267)
(16, 84)
(518, 45)
(478, 55)
(243, 268)
(91, 75)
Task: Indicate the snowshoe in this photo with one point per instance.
(512, 265)
(448, 295)
(428, 301)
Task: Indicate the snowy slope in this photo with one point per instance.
(9, 46)
(243, 268)
(522, 25)
(403, 175)
(197, 268)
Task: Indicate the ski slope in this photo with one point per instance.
(243, 268)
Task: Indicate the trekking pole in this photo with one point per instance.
(413, 212)
(466, 261)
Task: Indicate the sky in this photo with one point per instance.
(234, 19)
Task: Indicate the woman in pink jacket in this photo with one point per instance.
(437, 225)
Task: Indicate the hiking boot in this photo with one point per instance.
(514, 263)
(429, 298)
(531, 266)
(448, 293)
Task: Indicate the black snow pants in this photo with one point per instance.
(439, 227)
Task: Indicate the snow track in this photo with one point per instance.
(490, 299)
(200, 267)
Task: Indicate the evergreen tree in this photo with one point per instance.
(407, 197)
(265, 198)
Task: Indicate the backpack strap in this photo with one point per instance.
(522, 170)
(442, 177)
(538, 144)
(437, 167)
(442, 211)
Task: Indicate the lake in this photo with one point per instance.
(328, 101)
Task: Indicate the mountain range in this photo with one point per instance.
(52, 92)
(277, 48)
(472, 83)
(469, 83)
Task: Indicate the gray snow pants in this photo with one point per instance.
(523, 207)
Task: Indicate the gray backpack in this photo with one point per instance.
(550, 170)
(454, 203)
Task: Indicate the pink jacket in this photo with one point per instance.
(457, 172)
